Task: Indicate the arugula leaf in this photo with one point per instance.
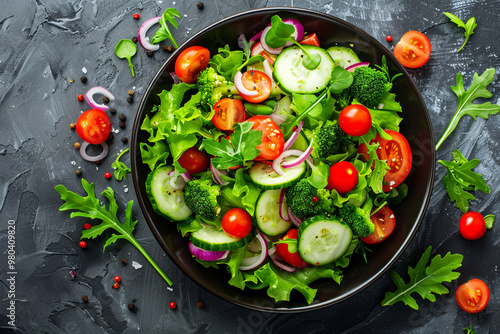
(384, 68)
(375, 175)
(121, 169)
(460, 180)
(425, 280)
(164, 32)
(90, 207)
(319, 175)
(465, 99)
(239, 151)
(469, 330)
(469, 26)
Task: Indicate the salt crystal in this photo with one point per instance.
(136, 265)
(84, 70)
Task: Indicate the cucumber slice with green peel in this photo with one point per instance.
(343, 56)
(293, 77)
(265, 177)
(322, 239)
(165, 200)
(212, 239)
(267, 214)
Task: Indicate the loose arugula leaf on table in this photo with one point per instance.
(469, 330)
(90, 207)
(164, 32)
(461, 180)
(424, 279)
(126, 49)
(469, 26)
(121, 169)
(465, 99)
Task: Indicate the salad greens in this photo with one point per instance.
(121, 170)
(164, 32)
(468, 27)
(126, 49)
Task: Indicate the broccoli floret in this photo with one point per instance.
(201, 197)
(329, 140)
(369, 86)
(300, 198)
(213, 87)
(342, 99)
(358, 220)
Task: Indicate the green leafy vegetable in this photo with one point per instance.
(384, 68)
(465, 99)
(121, 169)
(469, 330)
(425, 280)
(461, 180)
(164, 32)
(125, 48)
(319, 175)
(90, 207)
(469, 26)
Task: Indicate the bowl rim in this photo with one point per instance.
(378, 45)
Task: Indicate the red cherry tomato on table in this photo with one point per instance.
(194, 160)
(355, 120)
(93, 126)
(259, 82)
(191, 62)
(227, 112)
(472, 225)
(283, 250)
(384, 222)
(413, 50)
(237, 223)
(343, 177)
(273, 141)
(473, 296)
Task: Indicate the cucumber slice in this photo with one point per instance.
(165, 200)
(343, 56)
(212, 239)
(293, 77)
(323, 239)
(265, 177)
(268, 215)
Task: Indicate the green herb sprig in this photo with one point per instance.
(121, 169)
(469, 26)
(164, 32)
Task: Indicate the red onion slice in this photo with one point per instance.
(100, 156)
(300, 159)
(283, 212)
(238, 83)
(352, 67)
(182, 179)
(293, 218)
(294, 136)
(141, 34)
(256, 261)
(277, 119)
(277, 163)
(274, 51)
(89, 97)
(278, 261)
(298, 34)
(256, 36)
(217, 175)
(205, 255)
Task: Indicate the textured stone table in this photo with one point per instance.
(47, 43)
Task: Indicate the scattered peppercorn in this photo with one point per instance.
(122, 117)
(123, 261)
(77, 145)
(83, 79)
(83, 244)
(85, 298)
(121, 125)
(98, 162)
(118, 279)
(172, 305)
(80, 97)
(131, 307)
(200, 5)
(124, 140)
(112, 110)
(87, 226)
(201, 304)
(170, 48)
(110, 136)
(134, 39)
(107, 175)
(72, 126)
(78, 172)
(105, 99)
(116, 285)
(149, 53)
(130, 99)
(388, 38)
(130, 92)
(136, 16)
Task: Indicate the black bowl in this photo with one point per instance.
(416, 127)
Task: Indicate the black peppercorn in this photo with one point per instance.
(122, 117)
(105, 99)
(112, 110)
(131, 307)
(85, 298)
(72, 126)
(170, 48)
(134, 39)
(78, 172)
(149, 53)
(130, 99)
(200, 5)
(121, 125)
(83, 79)
(123, 261)
(124, 140)
(98, 162)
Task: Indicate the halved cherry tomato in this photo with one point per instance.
(355, 120)
(413, 50)
(472, 225)
(273, 141)
(237, 223)
(227, 112)
(256, 81)
(343, 177)
(93, 126)
(194, 160)
(311, 39)
(384, 222)
(283, 250)
(473, 296)
(191, 62)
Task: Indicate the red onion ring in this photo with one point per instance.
(100, 156)
(141, 34)
(217, 175)
(274, 51)
(238, 83)
(277, 119)
(182, 179)
(283, 213)
(352, 67)
(300, 159)
(256, 261)
(278, 261)
(294, 136)
(205, 255)
(277, 163)
(256, 36)
(89, 97)
(298, 34)
(294, 219)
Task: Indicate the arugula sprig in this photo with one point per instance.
(469, 26)
(465, 99)
(461, 180)
(385, 69)
(164, 32)
(90, 207)
(469, 330)
(425, 279)
(121, 169)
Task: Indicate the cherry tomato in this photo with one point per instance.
(259, 82)
(227, 112)
(413, 50)
(283, 250)
(273, 141)
(473, 296)
(191, 62)
(355, 120)
(93, 126)
(472, 225)
(343, 177)
(194, 160)
(384, 222)
(311, 39)
(237, 223)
